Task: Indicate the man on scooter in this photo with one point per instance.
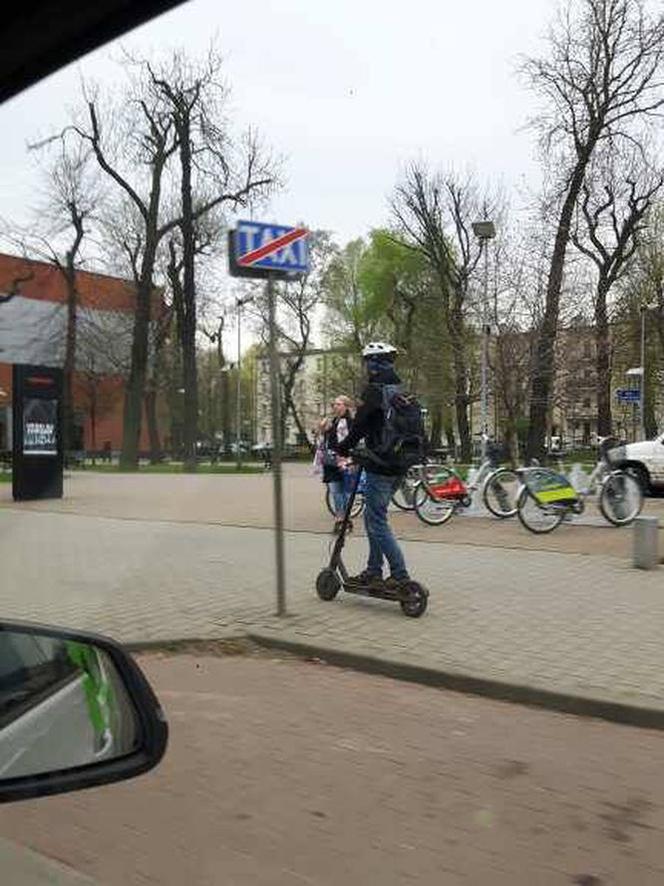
(381, 479)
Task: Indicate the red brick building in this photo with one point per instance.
(32, 330)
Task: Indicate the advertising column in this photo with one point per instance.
(37, 457)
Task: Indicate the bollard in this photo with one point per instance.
(646, 541)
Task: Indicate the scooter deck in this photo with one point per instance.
(367, 591)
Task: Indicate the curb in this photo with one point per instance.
(230, 644)
(562, 702)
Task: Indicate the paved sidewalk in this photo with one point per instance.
(586, 626)
(246, 500)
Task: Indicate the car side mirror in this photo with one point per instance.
(75, 712)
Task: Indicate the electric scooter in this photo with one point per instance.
(413, 597)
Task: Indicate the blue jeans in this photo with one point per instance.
(382, 544)
(339, 496)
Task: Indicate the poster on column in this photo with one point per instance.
(40, 426)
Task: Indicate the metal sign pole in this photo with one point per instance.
(276, 450)
(238, 390)
(268, 251)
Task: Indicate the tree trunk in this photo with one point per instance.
(461, 398)
(286, 395)
(450, 437)
(226, 410)
(543, 356)
(190, 377)
(93, 424)
(188, 294)
(69, 365)
(133, 404)
(300, 427)
(436, 428)
(649, 417)
(69, 273)
(603, 362)
(153, 425)
(511, 441)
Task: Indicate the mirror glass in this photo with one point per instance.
(63, 704)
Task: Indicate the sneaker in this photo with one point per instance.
(396, 584)
(365, 579)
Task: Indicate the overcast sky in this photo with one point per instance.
(346, 91)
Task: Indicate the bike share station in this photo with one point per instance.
(37, 455)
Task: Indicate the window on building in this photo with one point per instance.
(586, 403)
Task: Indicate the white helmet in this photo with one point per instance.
(378, 349)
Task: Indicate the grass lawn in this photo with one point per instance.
(171, 468)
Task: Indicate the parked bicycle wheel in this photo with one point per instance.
(621, 498)
(404, 495)
(431, 509)
(501, 491)
(356, 510)
(535, 517)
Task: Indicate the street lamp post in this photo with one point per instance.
(638, 372)
(239, 303)
(485, 231)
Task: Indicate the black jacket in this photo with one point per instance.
(331, 473)
(370, 417)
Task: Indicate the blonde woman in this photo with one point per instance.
(334, 431)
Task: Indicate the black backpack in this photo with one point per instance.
(403, 438)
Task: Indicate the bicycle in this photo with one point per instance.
(358, 501)
(439, 495)
(547, 497)
(404, 495)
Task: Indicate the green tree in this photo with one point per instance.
(398, 284)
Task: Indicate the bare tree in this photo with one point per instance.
(600, 79)
(72, 198)
(297, 302)
(149, 142)
(434, 214)
(16, 284)
(216, 171)
(642, 289)
(216, 338)
(616, 196)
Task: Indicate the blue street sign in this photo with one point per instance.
(260, 249)
(628, 395)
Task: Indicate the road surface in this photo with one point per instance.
(283, 773)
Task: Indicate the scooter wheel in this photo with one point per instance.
(327, 584)
(415, 601)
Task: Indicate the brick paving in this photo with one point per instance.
(576, 623)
